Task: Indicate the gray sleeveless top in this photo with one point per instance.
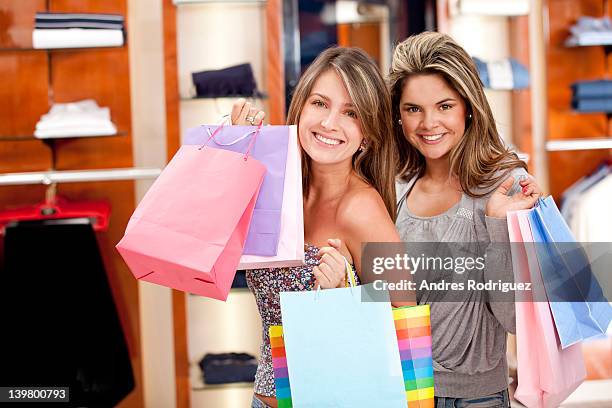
(469, 338)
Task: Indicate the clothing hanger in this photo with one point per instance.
(58, 208)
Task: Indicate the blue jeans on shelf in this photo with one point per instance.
(497, 400)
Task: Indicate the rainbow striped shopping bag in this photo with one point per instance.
(413, 329)
(279, 363)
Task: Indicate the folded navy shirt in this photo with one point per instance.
(228, 368)
(237, 80)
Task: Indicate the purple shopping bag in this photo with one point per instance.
(270, 148)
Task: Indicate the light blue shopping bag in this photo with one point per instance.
(580, 310)
(341, 351)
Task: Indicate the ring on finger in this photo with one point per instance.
(251, 120)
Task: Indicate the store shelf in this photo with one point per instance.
(508, 91)
(208, 98)
(229, 386)
(185, 2)
(569, 44)
(232, 290)
(240, 290)
(19, 138)
(578, 144)
(18, 49)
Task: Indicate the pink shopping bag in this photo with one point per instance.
(291, 243)
(271, 151)
(189, 230)
(547, 374)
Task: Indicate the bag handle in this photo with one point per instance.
(350, 274)
(218, 129)
(351, 281)
(241, 138)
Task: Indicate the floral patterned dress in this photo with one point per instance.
(266, 285)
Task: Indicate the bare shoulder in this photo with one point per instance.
(362, 206)
(362, 217)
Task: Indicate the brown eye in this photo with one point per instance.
(318, 103)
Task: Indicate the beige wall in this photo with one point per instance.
(215, 36)
(487, 37)
(145, 39)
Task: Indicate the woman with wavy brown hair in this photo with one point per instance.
(456, 182)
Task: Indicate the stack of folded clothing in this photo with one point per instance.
(590, 31)
(228, 368)
(84, 118)
(237, 80)
(69, 30)
(502, 75)
(592, 96)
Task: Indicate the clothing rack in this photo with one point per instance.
(180, 2)
(75, 176)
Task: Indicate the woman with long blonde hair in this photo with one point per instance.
(343, 111)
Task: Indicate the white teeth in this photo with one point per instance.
(331, 142)
(433, 138)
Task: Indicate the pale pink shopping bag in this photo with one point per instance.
(547, 374)
(188, 232)
(291, 242)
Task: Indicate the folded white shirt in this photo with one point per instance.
(107, 130)
(76, 37)
(83, 118)
(65, 120)
(85, 105)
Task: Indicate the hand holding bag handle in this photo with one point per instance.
(218, 130)
(350, 278)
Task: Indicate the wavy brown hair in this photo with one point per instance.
(368, 91)
(480, 160)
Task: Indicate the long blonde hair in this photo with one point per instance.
(480, 160)
(377, 162)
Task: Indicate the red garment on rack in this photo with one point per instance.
(97, 211)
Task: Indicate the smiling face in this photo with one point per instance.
(433, 115)
(329, 129)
